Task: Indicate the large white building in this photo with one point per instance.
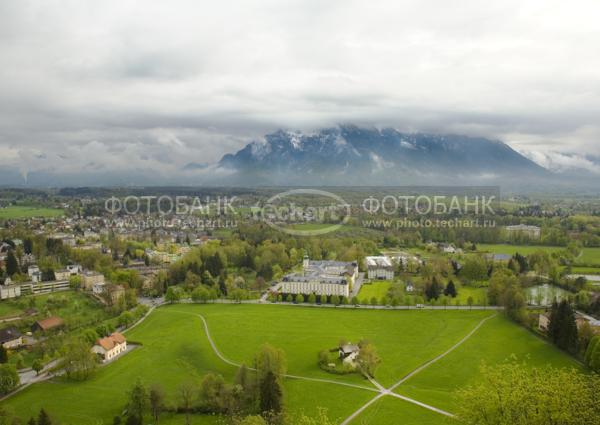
(321, 278)
(533, 232)
(380, 267)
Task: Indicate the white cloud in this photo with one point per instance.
(161, 84)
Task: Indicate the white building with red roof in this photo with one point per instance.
(111, 346)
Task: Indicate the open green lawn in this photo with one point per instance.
(589, 256)
(585, 270)
(377, 289)
(495, 342)
(9, 309)
(513, 249)
(392, 411)
(13, 212)
(175, 348)
(464, 292)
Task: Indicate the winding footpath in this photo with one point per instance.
(379, 389)
(390, 390)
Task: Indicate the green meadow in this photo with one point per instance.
(14, 212)
(377, 289)
(175, 348)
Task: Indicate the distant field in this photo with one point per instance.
(589, 256)
(14, 212)
(175, 348)
(513, 249)
(464, 292)
(9, 309)
(585, 270)
(377, 289)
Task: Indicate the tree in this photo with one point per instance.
(590, 349)
(432, 291)
(200, 294)
(289, 298)
(299, 299)
(271, 395)
(156, 398)
(335, 300)
(516, 394)
(137, 403)
(3, 354)
(12, 266)
(374, 301)
(172, 295)
(312, 298)
(37, 366)
(355, 300)
(125, 319)
(44, 418)
(474, 269)
(470, 302)
(9, 378)
(450, 289)
(562, 328)
(368, 360)
(187, 393)
(270, 359)
(78, 360)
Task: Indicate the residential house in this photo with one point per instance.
(90, 278)
(379, 267)
(50, 323)
(110, 347)
(348, 353)
(62, 274)
(34, 273)
(544, 322)
(115, 292)
(98, 288)
(11, 338)
(9, 289)
(74, 269)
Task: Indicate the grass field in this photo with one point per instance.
(464, 292)
(513, 249)
(497, 341)
(589, 256)
(175, 348)
(9, 309)
(377, 289)
(14, 212)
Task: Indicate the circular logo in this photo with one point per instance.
(305, 212)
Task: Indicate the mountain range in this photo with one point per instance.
(349, 155)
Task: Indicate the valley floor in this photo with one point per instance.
(177, 347)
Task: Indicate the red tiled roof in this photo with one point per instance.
(50, 322)
(109, 342)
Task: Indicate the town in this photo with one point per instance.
(78, 291)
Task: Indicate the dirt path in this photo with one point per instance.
(390, 390)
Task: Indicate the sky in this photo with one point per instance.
(116, 86)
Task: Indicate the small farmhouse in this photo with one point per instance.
(10, 338)
(349, 352)
(111, 346)
(50, 323)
